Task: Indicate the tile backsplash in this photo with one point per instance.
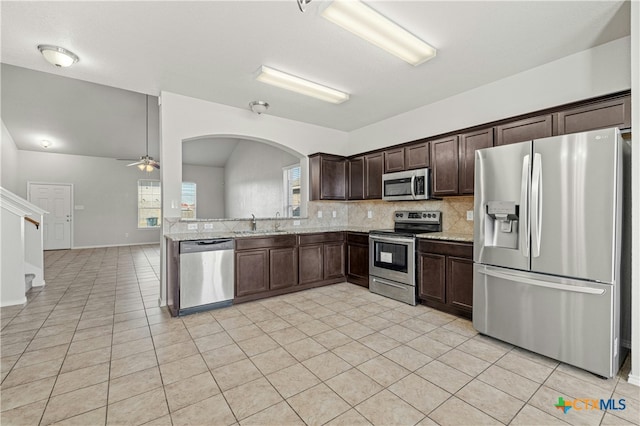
(347, 213)
(454, 213)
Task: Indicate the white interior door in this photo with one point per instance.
(56, 199)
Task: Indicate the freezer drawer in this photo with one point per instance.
(569, 320)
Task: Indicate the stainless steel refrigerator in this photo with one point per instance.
(547, 242)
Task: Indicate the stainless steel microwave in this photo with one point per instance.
(409, 185)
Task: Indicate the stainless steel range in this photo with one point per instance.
(392, 254)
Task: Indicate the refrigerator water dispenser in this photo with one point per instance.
(501, 224)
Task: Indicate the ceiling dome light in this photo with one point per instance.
(58, 56)
(45, 143)
(258, 106)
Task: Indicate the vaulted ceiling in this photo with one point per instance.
(212, 49)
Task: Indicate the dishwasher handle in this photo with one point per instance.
(199, 246)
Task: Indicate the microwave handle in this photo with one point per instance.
(413, 187)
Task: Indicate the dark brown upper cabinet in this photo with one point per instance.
(524, 130)
(356, 178)
(444, 166)
(469, 143)
(394, 160)
(598, 115)
(416, 156)
(365, 177)
(328, 177)
(373, 176)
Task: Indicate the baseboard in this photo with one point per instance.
(634, 380)
(113, 245)
(14, 302)
(39, 283)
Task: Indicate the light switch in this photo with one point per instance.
(369, 214)
(334, 214)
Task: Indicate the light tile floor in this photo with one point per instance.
(92, 347)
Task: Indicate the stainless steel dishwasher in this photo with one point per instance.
(206, 275)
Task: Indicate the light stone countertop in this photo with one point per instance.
(187, 236)
(449, 236)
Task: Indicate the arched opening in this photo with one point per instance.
(236, 176)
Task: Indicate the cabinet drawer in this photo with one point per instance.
(358, 238)
(464, 250)
(320, 237)
(265, 242)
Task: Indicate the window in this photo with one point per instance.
(188, 204)
(292, 200)
(149, 204)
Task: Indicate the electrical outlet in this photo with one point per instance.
(469, 214)
(208, 226)
(192, 227)
(319, 214)
(369, 214)
(335, 214)
(296, 223)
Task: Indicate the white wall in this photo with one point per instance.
(598, 71)
(183, 117)
(209, 189)
(253, 179)
(105, 187)
(9, 162)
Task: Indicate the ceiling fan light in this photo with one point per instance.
(148, 168)
(142, 166)
(365, 22)
(58, 56)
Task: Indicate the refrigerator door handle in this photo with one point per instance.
(524, 206)
(536, 205)
(540, 283)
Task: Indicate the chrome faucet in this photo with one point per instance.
(253, 222)
(276, 224)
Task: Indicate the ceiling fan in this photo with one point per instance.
(145, 163)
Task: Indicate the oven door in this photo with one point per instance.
(393, 258)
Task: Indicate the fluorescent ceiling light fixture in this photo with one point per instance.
(365, 22)
(58, 56)
(300, 85)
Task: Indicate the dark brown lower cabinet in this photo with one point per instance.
(283, 267)
(460, 275)
(273, 265)
(252, 272)
(333, 258)
(445, 276)
(357, 262)
(264, 264)
(310, 263)
(321, 257)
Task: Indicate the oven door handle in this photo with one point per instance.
(390, 284)
(394, 240)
